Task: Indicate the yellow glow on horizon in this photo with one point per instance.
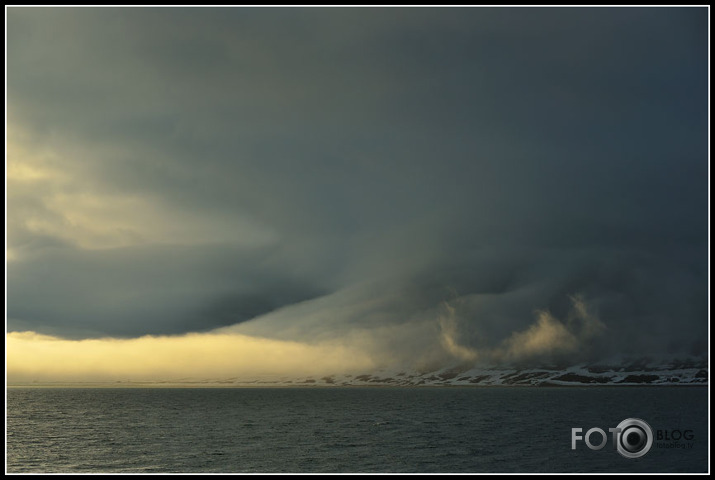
(32, 357)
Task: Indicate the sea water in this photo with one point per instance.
(349, 429)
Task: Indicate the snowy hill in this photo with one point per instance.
(672, 371)
(675, 372)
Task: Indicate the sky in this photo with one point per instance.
(217, 192)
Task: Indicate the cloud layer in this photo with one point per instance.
(436, 185)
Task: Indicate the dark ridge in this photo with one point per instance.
(479, 379)
(509, 375)
(600, 369)
(448, 375)
(573, 377)
(639, 379)
(527, 376)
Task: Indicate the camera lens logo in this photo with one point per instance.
(634, 438)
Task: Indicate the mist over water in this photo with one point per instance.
(343, 430)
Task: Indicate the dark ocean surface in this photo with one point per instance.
(350, 429)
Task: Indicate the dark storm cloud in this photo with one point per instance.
(140, 290)
(501, 159)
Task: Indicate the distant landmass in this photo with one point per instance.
(643, 371)
(577, 375)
